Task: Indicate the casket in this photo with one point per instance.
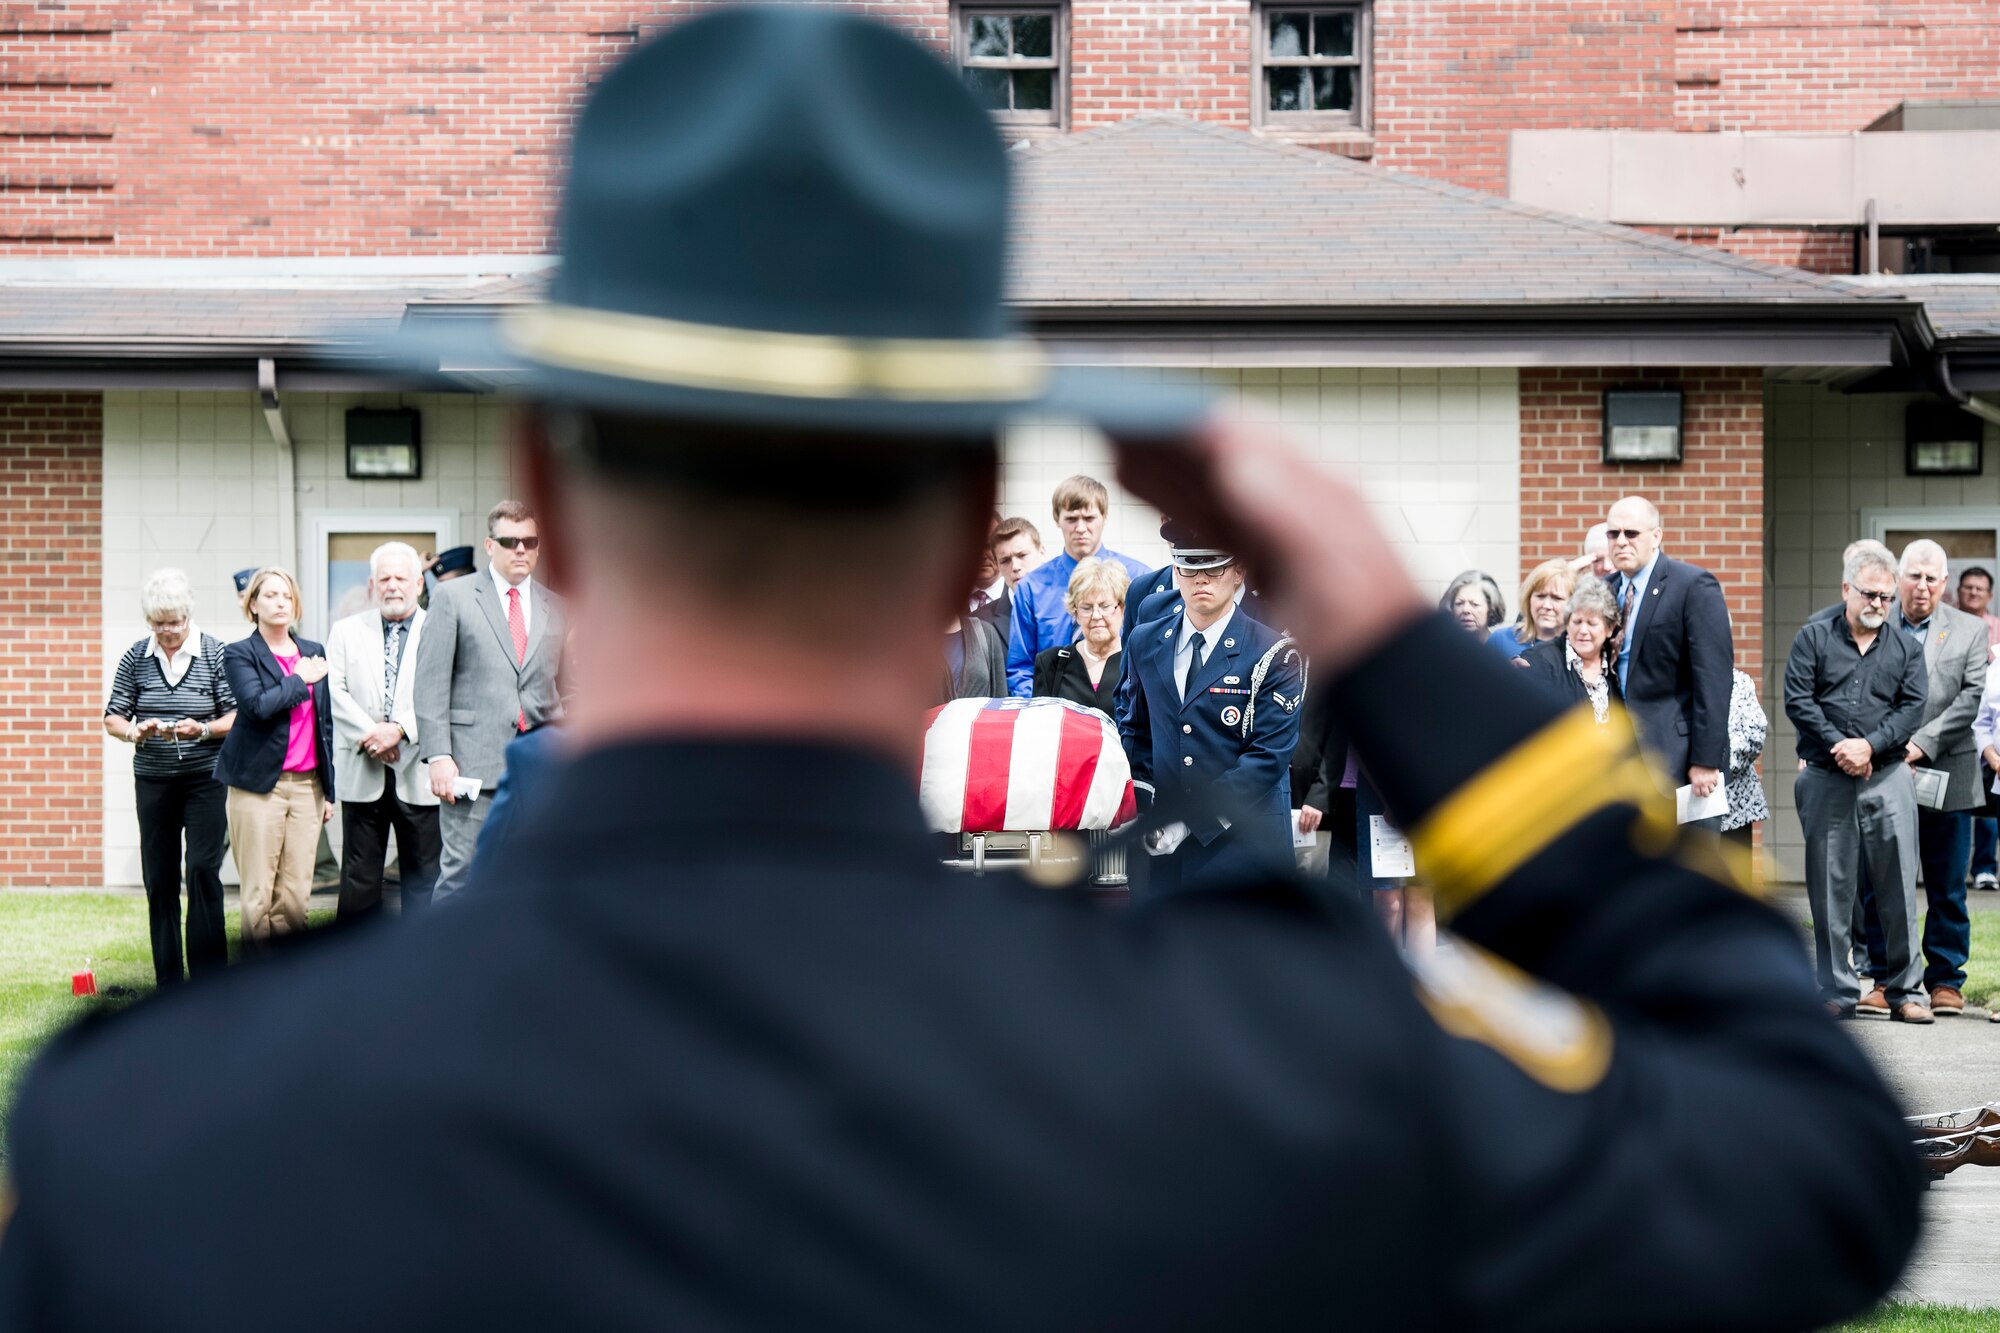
(1006, 777)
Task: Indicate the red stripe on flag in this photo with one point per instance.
(1078, 746)
(989, 754)
(1128, 806)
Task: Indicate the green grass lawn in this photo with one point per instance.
(1982, 969)
(44, 937)
(1925, 1319)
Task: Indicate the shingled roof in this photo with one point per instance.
(1163, 211)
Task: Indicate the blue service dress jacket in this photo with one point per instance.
(1227, 745)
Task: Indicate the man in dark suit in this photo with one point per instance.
(992, 597)
(1211, 714)
(1676, 661)
(706, 1057)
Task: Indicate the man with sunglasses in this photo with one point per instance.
(1855, 690)
(487, 670)
(1676, 663)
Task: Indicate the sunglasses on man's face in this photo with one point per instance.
(1875, 598)
(523, 543)
(1629, 534)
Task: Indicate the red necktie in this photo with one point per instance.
(517, 625)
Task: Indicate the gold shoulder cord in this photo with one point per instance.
(1523, 802)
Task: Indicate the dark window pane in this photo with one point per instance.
(1035, 35)
(985, 35)
(1333, 89)
(1289, 89)
(1333, 34)
(1034, 90)
(989, 87)
(1288, 34)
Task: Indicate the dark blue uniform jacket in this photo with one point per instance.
(693, 1065)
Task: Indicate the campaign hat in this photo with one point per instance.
(788, 215)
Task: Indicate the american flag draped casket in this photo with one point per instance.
(1021, 765)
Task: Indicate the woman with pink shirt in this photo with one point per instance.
(277, 761)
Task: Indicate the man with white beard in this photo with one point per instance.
(378, 779)
(1856, 695)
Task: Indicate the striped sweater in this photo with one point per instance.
(139, 690)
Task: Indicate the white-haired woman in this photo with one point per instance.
(1578, 666)
(171, 702)
(1087, 672)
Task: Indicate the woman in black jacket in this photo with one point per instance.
(277, 760)
(1581, 665)
(1087, 672)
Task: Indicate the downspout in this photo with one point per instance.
(274, 417)
(1874, 265)
(1984, 411)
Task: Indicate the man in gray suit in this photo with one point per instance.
(1954, 645)
(487, 669)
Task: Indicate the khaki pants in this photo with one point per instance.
(274, 837)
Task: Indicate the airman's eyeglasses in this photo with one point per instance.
(524, 543)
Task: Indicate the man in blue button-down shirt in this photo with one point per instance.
(1040, 621)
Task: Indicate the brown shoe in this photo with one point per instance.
(1875, 1002)
(1947, 1002)
(1911, 1011)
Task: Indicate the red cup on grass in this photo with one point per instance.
(83, 983)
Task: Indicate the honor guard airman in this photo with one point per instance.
(723, 1047)
(1209, 712)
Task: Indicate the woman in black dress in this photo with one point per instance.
(1087, 671)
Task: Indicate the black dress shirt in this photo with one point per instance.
(1063, 674)
(1834, 691)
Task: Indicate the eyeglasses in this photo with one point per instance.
(1875, 598)
(523, 543)
(1927, 580)
(171, 627)
(1629, 534)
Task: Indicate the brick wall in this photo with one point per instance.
(229, 127)
(1711, 504)
(51, 623)
(1814, 251)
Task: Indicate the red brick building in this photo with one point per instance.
(185, 186)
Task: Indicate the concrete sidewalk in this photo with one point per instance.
(1953, 1063)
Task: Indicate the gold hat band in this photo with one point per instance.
(793, 365)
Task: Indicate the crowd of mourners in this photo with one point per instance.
(249, 748)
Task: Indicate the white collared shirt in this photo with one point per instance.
(1211, 639)
(992, 591)
(527, 602)
(176, 666)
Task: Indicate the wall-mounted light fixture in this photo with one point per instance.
(1642, 425)
(384, 444)
(1940, 440)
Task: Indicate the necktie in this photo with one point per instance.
(392, 660)
(517, 625)
(1195, 655)
(979, 598)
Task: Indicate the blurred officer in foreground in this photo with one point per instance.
(692, 1066)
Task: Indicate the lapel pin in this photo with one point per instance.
(1229, 643)
(1232, 680)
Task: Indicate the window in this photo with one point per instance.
(1311, 66)
(1012, 57)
